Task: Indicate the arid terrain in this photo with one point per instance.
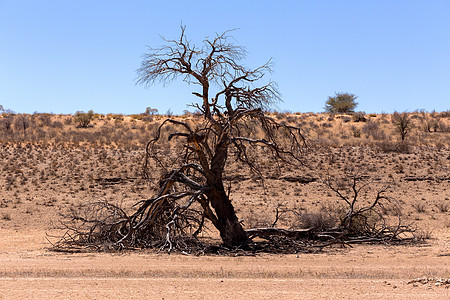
(50, 164)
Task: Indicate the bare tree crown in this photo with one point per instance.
(215, 62)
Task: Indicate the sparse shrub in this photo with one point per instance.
(57, 124)
(254, 221)
(148, 119)
(151, 111)
(390, 146)
(442, 127)
(152, 127)
(313, 125)
(83, 119)
(6, 216)
(402, 123)
(341, 103)
(318, 221)
(22, 122)
(356, 132)
(439, 145)
(40, 133)
(278, 115)
(116, 117)
(290, 119)
(186, 113)
(6, 122)
(420, 207)
(364, 218)
(445, 114)
(44, 119)
(432, 124)
(422, 235)
(67, 121)
(346, 119)
(359, 116)
(371, 128)
(443, 207)
(169, 113)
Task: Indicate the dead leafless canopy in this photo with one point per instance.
(192, 191)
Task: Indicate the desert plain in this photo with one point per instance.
(52, 165)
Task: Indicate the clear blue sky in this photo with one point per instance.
(64, 56)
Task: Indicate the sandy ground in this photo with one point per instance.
(29, 271)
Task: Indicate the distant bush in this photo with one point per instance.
(6, 122)
(151, 111)
(371, 128)
(147, 119)
(22, 122)
(169, 113)
(356, 132)
(346, 119)
(43, 119)
(445, 114)
(435, 124)
(68, 121)
(83, 119)
(359, 116)
(116, 117)
(402, 123)
(341, 103)
(278, 115)
(443, 127)
(57, 124)
(390, 146)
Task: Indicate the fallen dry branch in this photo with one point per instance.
(169, 222)
(173, 219)
(266, 233)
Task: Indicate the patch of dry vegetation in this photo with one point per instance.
(49, 164)
(377, 131)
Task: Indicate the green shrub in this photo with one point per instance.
(341, 103)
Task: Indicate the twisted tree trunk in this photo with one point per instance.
(230, 228)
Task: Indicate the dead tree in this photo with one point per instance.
(238, 102)
(191, 189)
(233, 123)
